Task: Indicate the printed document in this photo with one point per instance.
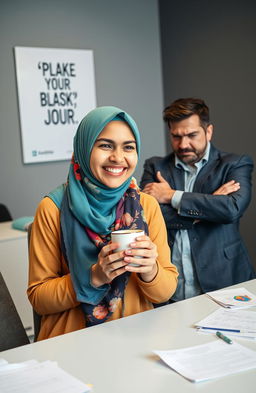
(36, 377)
(213, 360)
(233, 298)
(240, 323)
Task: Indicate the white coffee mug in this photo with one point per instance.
(124, 237)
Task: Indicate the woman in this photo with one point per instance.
(76, 279)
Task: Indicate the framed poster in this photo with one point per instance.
(56, 89)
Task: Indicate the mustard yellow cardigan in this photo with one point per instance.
(50, 288)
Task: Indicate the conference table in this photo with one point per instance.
(117, 357)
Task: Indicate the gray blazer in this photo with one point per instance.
(218, 252)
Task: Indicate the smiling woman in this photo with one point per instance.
(77, 278)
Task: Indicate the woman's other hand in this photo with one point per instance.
(147, 250)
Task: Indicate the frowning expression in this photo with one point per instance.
(189, 139)
(114, 154)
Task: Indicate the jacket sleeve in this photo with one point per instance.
(221, 208)
(50, 288)
(172, 219)
(162, 287)
(149, 174)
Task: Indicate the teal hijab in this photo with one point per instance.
(91, 202)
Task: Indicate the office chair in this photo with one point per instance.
(5, 215)
(36, 316)
(12, 332)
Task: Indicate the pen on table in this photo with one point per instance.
(224, 338)
(228, 330)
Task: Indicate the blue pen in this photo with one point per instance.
(225, 330)
(224, 338)
(229, 330)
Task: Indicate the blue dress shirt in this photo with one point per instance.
(188, 285)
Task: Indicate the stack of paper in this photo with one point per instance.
(233, 298)
(207, 361)
(239, 323)
(35, 377)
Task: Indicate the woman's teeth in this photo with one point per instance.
(114, 170)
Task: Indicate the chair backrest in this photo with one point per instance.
(5, 215)
(36, 316)
(12, 332)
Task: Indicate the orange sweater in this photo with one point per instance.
(50, 289)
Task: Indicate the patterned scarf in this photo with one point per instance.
(129, 215)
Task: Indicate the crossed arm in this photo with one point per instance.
(163, 192)
(225, 204)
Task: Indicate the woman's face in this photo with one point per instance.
(114, 154)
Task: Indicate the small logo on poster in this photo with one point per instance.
(36, 153)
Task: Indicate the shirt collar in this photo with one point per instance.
(199, 164)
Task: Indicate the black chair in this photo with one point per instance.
(12, 332)
(36, 316)
(5, 215)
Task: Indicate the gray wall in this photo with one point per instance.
(124, 36)
(209, 51)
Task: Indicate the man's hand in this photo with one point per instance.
(161, 191)
(227, 188)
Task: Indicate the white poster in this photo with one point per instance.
(56, 89)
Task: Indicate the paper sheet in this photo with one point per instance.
(207, 361)
(233, 298)
(35, 377)
(240, 321)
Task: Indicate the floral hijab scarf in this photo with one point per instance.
(90, 211)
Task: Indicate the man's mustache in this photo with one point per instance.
(186, 151)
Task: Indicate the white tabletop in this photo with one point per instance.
(116, 357)
(8, 233)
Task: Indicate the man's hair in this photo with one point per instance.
(185, 107)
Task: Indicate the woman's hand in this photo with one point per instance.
(112, 264)
(109, 265)
(145, 248)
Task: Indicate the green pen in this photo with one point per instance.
(224, 338)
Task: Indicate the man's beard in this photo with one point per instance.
(191, 159)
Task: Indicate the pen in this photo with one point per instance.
(224, 338)
(226, 330)
(229, 330)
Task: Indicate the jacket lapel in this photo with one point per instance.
(206, 171)
(173, 175)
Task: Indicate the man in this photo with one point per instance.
(203, 193)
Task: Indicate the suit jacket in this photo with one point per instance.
(218, 252)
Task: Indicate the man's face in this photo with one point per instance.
(189, 139)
